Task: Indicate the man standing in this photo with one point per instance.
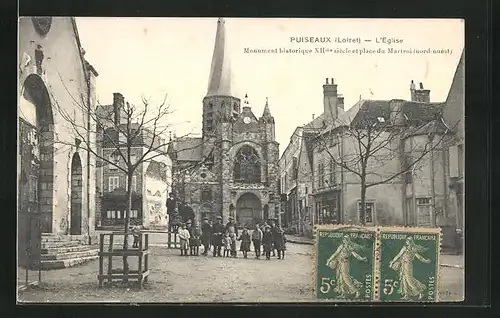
(217, 231)
(171, 210)
(206, 233)
(231, 226)
(275, 236)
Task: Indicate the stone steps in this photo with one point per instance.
(60, 251)
(69, 255)
(66, 249)
(64, 263)
(52, 245)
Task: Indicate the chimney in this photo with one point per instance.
(340, 101)
(412, 92)
(313, 116)
(118, 104)
(397, 116)
(421, 95)
(330, 100)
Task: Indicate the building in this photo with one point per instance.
(56, 175)
(231, 170)
(150, 182)
(428, 193)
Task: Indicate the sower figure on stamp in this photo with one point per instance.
(218, 230)
(206, 233)
(409, 286)
(340, 263)
(184, 238)
(257, 239)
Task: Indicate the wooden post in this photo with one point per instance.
(101, 259)
(110, 258)
(169, 238)
(146, 257)
(139, 270)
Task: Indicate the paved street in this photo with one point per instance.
(205, 279)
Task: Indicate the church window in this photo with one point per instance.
(247, 166)
(206, 195)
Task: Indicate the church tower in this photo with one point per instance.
(219, 105)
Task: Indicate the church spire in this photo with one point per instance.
(266, 115)
(219, 82)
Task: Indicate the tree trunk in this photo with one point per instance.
(127, 225)
(362, 216)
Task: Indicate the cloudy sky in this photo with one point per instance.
(158, 56)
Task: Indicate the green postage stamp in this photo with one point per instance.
(370, 264)
(409, 264)
(345, 263)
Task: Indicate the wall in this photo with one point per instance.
(64, 77)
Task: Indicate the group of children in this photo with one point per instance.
(272, 239)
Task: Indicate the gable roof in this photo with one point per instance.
(186, 149)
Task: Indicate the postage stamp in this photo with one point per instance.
(345, 263)
(408, 266)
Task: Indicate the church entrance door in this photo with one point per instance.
(248, 210)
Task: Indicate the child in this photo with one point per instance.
(184, 237)
(280, 244)
(195, 241)
(226, 243)
(257, 239)
(136, 233)
(267, 242)
(232, 235)
(245, 242)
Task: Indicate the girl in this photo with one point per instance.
(195, 241)
(267, 242)
(245, 242)
(184, 238)
(226, 243)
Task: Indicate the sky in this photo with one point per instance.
(158, 57)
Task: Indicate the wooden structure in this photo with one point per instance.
(142, 253)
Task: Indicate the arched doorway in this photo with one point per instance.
(207, 210)
(36, 131)
(248, 210)
(76, 195)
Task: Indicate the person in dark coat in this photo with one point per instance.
(274, 233)
(171, 210)
(217, 231)
(206, 233)
(195, 241)
(245, 242)
(280, 243)
(267, 242)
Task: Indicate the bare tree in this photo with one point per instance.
(376, 150)
(120, 130)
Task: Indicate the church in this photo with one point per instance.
(231, 170)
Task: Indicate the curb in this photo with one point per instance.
(30, 284)
(299, 242)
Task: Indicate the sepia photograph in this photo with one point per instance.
(240, 160)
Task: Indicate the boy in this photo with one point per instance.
(184, 237)
(257, 239)
(226, 243)
(280, 244)
(195, 241)
(136, 233)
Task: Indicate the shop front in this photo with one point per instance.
(327, 208)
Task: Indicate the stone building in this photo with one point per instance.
(231, 170)
(428, 194)
(151, 180)
(56, 87)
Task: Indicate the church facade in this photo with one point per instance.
(232, 170)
